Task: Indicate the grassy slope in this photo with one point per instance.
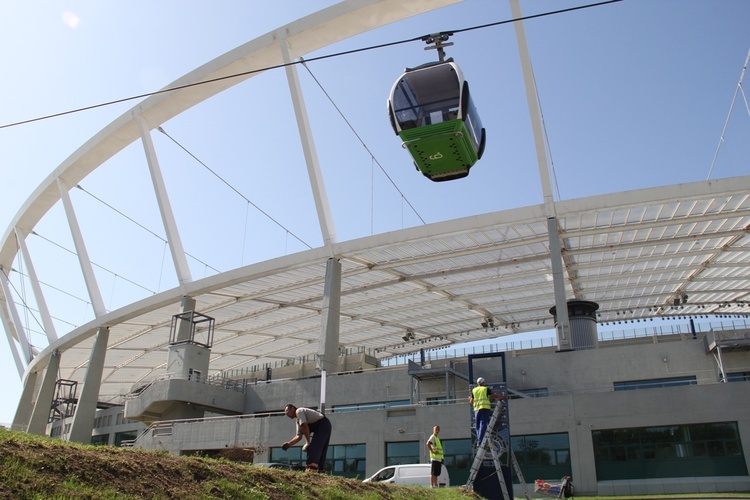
(38, 467)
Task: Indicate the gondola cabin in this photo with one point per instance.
(432, 112)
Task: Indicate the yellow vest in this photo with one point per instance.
(438, 447)
(481, 398)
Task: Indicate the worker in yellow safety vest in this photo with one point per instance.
(480, 399)
(436, 456)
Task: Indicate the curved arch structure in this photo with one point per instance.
(633, 253)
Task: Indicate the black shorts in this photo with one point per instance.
(436, 467)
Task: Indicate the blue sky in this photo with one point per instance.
(634, 94)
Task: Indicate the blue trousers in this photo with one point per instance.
(482, 419)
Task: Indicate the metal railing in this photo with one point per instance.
(701, 328)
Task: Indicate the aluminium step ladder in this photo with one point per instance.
(496, 445)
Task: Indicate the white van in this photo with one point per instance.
(409, 474)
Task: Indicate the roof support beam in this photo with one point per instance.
(532, 100)
(165, 208)
(83, 255)
(308, 147)
(8, 327)
(15, 320)
(41, 303)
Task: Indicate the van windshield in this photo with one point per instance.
(384, 474)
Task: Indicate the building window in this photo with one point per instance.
(381, 405)
(541, 392)
(100, 440)
(442, 400)
(738, 377)
(655, 383)
(345, 460)
(542, 456)
(458, 458)
(404, 452)
(125, 436)
(292, 456)
(696, 450)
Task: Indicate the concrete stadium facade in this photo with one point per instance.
(580, 398)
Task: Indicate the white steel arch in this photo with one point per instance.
(633, 253)
(303, 36)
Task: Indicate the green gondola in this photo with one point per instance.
(431, 110)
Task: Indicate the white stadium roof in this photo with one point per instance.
(634, 253)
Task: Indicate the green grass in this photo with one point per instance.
(33, 467)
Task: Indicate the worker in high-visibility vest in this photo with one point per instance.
(480, 399)
(436, 456)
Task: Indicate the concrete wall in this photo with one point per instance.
(580, 400)
(180, 398)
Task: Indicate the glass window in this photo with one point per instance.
(458, 459)
(541, 392)
(100, 440)
(385, 474)
(348, 460)
(345, 460)
(712, 449)
(442, 400)
(124, 436)
(738, 377)
(292, 456)
(473, 122)
(404, 452)
(543, 455)
(427, 96)
(657, 383)
(381, 405)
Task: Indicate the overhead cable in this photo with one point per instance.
(312, 59)
(372, 155)
(233, 188)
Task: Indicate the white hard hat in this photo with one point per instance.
(480, 380)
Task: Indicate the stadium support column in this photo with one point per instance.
(40, 414)
(328, 350)
(23, 412)
(83, 420)
(558, 282)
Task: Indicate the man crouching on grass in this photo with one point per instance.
(316, 429)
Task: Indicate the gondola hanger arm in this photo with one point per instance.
(436, 41)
